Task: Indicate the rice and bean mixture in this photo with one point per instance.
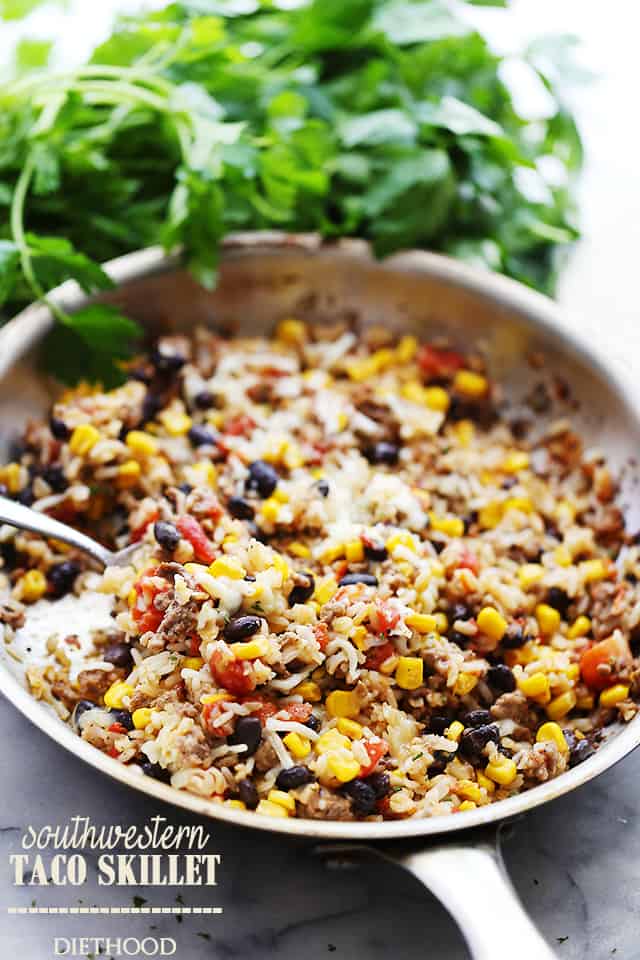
(365, 588)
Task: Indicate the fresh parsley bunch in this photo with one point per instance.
(386, 119)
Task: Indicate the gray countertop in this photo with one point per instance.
(575, 863)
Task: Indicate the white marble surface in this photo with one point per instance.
(576, 864)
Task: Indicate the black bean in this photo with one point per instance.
(376, 551)
(62, 577)
(323, 487)
(4, 490)
(501, 678)
(582, 750)
(26, 497)
(473, 742)
(302, 591)
(460, 638)
(141, 374)
(59, 429)
(262, 477)
(248, 731)
(313, 722)
(380, 784)
(200, 436)
(81, 707)
(166, 535)
(204, 400)
(559, 600)
(367, 578)
(362, 795)
(241, 627)
(156, 771)
(382, 452)
(123, 717)
(514, 637)
(119, 654)
(294, 777)
(185, 487)
(477, 718)
(150, 406)
(248, 794)
(249, 577)
(167, 362)
(438, 724)
(240, 508)
(461, 612)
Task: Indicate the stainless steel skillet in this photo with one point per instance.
(263, 278)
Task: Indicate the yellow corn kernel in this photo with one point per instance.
(492, 623)
(469, 790)
(227, 567)
(175, 422)
(454, 731)
(299, 549)
(548, 619)
(297, 745)
(592, 570)
(529, 574)
(359, 636)
(32, 586)
(354, 551)
(83, 439)
(192, 663)
(465, 684)
(521, 504)
(342, 703)
(141, 443)
(613, 695)
(217, 697)
(269, 809)
(535, 686)
(293, 458)
(470, 384)
(414, 391)
(281, 565)
(12, 476)
(515, 461)
(467, 805)
(491, 514)
(291, 331)
(579, 628)
(283, 799)
(501, 770)
(464, 432)
(451, 526)
(389, 665)
(325, 589)
(485, 783)
(270, 510)
(361, 370)
(409, 672)
(132, 596)
(437, 398)
(551, 731)
(383, 358)
(114, 697)
(562, 556)
(128, 473)
(332, 740)
(561, 705)
(343, 766)
(141, 717)
(250, 649)
(203, 472)
(573, 671)
(236, 804)
(281, 495)
(442, 622)
(422, 622)
(406, 349)
(309, 690)
(350, 728)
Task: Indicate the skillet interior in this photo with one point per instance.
(264, 278)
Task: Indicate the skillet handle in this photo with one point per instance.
(472, 883)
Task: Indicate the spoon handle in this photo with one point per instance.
(16, 515)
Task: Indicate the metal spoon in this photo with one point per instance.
(16, 515)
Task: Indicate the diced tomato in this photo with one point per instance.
(147, 616)
(211, 713)
(321, 633)
(299, 711)
(138, 532)
(235, 676)
(240, 426)
(209, 505)
(266, 709)
(386, 617)
(439, 363)
(377, 655)
(383, 807)
(194, 645)
(376, 749)
(113, 753)
(117, 728)
(469, 561)
(597, 664)
(192, 531)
